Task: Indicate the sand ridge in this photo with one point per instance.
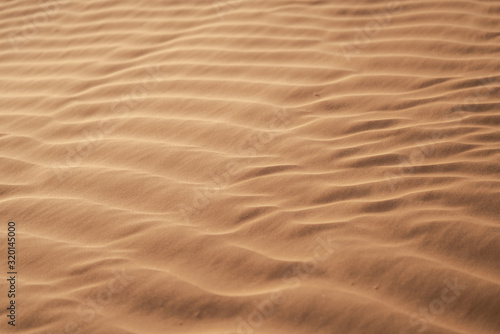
(252, 166)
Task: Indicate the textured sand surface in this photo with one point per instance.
(251, 166)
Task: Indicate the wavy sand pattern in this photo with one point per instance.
(252, 166)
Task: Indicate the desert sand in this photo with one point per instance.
(244, 166)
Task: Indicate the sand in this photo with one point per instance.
(248, 166)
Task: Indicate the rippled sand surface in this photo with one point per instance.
(238, 166)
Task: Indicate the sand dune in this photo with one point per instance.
(251, 166)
